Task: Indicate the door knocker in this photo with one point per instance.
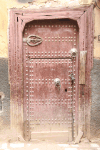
(57, 83)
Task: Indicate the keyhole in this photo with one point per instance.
(65, 90)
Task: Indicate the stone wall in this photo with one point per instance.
(95, 108)
(4, 98)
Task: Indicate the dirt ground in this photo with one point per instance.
(47, 145)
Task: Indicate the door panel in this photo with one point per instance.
(58, 37)
(49, 109)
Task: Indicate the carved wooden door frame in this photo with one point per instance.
(18, 19)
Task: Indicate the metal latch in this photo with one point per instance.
(72, 77)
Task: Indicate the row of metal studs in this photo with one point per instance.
(53, 103)
(60, 119)
(61, 37)
(45, 79)
(41, 103)
(41, 81)
(50, 100)
(32, 80)
(47, 61)
(56, 119)
(32, 97)
(53, 55)
(50, 26)
(59, 41)
(46, 52)
(49, 122)
(74, 94)
(42, 120)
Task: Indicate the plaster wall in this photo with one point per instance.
(95, 109)
(5, 5)
(36, 4)
(97, 31)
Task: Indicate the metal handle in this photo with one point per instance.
(57, 83)
(33, 40)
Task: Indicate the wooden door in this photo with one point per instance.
(49, 92)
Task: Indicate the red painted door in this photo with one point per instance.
(49, 93)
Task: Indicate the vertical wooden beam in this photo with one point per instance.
(88, 69)
(82, 67)
(85, 23)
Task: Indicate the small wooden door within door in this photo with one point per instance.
(49, 93)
